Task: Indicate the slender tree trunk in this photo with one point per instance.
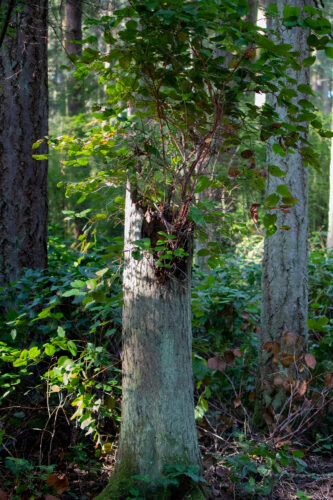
(253, 12)
(330, 210)
(23, 115)
(284, 276)
(158, 426)
(73, 16)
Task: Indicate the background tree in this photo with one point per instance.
(330, 210)
(24, 113)
(73, 18)
(284, 332)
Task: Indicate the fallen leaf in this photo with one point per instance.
(237, 352)
(233, 172)
(221, 365)
(328, 380)
(50, 497)
(302, 387)
(289, 338)
(286, 359)
(278, 381)
(273, 347)
(310, 360)
(252, 396)
(216, 364)
(237, 402)
(212, 363)
(3, 495)
(247, 153)
(59, 482)
(229, 357)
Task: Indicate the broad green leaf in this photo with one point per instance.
(276, 171)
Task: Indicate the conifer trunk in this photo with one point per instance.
(285, 263)
(73, 16)
(330, 210)
(23, 116)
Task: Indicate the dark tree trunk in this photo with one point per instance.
(23, 116)
(73, 16)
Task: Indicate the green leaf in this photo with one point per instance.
(61, 332)
(283, 190)
(40, 157)
(143, 243)
(278, 150)
(203, 252)
(203, 184)
(72, 293)
(329, 52)
(72, 347)
(305, 89)
(270, 224)
(308, 61)
(78, 284)
(276, 171)
(271, 201)
(49, 349)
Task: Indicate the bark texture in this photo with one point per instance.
(158, 426)
(284, 277)
(73, 16)
(23, 115)
(330, 210)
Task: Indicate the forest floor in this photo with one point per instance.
(316, 483)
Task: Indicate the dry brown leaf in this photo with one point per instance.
(328, 380)
(237, 402)
(228, 357)
(252, 396)
(286, 359)
(221, 365)
(278, 381)
(273, 347)
(245, 315)
(310, 360)
(289, 338)
(302, 387)
(267, 417)
(59, 482)
(216, 364)
(3, 495)
(212, 363)
(237, 352)
(50, 497)
(233, 172)
(247, 153)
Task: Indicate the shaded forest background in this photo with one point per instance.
(60, 348)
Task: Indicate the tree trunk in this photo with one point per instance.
(285, 263)
(330, 210)
(253, 11)
(158, 426)
(24, 116)
(73, 16)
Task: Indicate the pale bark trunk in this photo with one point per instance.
(158, 426)
(284, 276)
(330, 210)
(23, 115)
